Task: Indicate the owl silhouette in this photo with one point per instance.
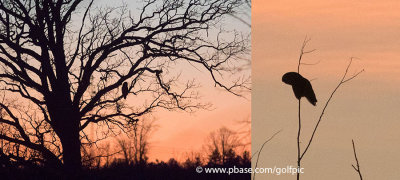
(125, 90)
(301, 86)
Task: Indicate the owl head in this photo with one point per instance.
(291, 77)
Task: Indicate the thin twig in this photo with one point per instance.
(259, 151)
(342, 81)
(298, 141)
(311, 64)
(240, 19)
(302, 52)
(358, 165)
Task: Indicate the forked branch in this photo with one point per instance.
(357, 167)
(344, 79)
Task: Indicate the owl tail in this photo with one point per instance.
(312, 100)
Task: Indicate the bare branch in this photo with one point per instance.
(342, 81)
(262, 146)
(303, 52)
(357, 167)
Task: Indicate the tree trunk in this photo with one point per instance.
(71, 148)
(65, 122)
(66, 125)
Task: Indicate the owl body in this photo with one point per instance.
(125, 89)
(301, 86)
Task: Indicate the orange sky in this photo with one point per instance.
(365, 109)
(180, 133)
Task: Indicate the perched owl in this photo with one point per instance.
(125, 89)
(301, 86)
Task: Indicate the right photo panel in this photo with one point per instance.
(326, 89)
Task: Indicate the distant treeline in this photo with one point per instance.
(123, 169)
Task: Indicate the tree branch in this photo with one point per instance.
(357, 167)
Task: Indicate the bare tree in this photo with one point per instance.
(135, 146)
(67, 60)
(344, 79)
(220, 143)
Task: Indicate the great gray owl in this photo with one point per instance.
(301, 86)
(125, 89)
